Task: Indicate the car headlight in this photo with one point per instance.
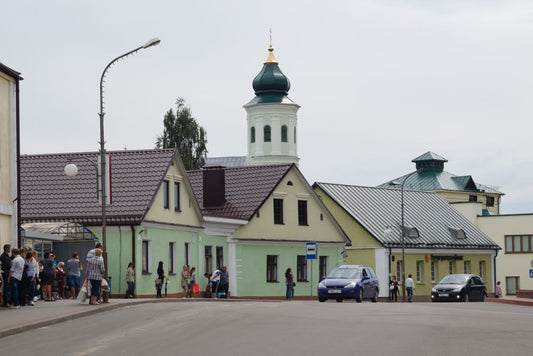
(321, 285)
(350, 285)
(458, 289)
(434, 290)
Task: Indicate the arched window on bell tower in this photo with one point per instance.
(252, 135)
(284, 133)
(266, 133)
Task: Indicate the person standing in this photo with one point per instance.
(6, 267)
(160, 278)
(224, 282)
(186, 280)
(289, 280)
(498, 292)
(193, 282)
(61, 279)
(48, 276)
(130, 280)
(214, 280)
(410, 287)
(74, 267)
(36, 275)
(28, 277)
(95, 273)
(15, 277)
(394, 289)
(90, 254)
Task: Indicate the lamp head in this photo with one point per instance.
(152, 42)
(71, 170)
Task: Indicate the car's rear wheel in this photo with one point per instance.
(321, 300)
(339, 300)
(374, 299)
(466, 298)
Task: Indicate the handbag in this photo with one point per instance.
(195, 288)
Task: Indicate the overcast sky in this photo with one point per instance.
(379, 82)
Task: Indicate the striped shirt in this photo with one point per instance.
(95, 268)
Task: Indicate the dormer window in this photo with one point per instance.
(457, 233)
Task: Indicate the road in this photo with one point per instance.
(287, 328)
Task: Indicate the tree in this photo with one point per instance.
(183, 132)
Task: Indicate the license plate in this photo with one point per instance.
(334, 291)
(444, 295)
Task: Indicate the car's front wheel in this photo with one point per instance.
(466, 298)
(359, 297)
(339, 300)
(321, 300)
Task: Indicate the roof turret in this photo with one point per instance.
(271, 85)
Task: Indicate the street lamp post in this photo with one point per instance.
(72, 169)
(388, 231)
(103, 161)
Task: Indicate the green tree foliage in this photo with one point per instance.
(183, 132)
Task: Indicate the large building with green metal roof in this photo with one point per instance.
(430, 176)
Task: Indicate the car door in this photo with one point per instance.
(366, 283)
(474, 289)
(479, 287)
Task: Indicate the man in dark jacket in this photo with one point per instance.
(6, 266)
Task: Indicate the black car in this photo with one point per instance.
(459, 287)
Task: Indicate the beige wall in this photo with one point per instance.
(509, 264)
(318, 229)
(460, 197)
(7, 161)
(188, 215)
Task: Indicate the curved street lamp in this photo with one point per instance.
(71, 169)
(388, 230)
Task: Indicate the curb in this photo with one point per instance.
(510, 301)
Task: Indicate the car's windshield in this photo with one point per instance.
(345, 273)
(454, 279)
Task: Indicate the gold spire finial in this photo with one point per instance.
(271, 58)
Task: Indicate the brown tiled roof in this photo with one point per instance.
(48, 195)
(246, 189)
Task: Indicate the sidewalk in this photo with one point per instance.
(46, 314)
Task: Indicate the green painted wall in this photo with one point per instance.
(252, 269)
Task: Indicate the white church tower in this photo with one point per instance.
(272, 118)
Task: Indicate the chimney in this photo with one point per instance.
(214, 185)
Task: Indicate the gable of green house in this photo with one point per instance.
(291, 190)
(174, 203)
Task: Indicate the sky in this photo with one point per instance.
(379, 82)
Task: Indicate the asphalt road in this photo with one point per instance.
(287, 328)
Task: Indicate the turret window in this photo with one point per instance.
(284, 133)
(266, 133)
(252, 135)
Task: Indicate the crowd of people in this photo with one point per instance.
(217, 284)
(27, 279)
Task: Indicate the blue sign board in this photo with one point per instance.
(310, 248)
(531, 273)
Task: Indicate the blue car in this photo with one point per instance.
(349, 282)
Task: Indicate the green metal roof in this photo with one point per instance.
(429, 156)
(431, 176)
